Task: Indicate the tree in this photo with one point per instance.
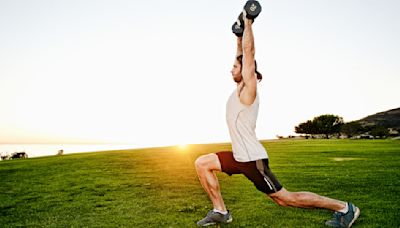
(305, 128)
(379, 131)
(328, 124)
(351, 129)
(324, 124)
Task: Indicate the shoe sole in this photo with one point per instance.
(208, 224)
(214, 223)
(356, 214)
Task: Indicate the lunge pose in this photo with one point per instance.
(248, 156)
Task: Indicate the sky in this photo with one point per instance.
(155, 72)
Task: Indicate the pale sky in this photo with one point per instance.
(157, 72)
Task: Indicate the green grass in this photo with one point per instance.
(158, 187)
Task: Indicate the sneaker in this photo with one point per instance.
(344, 220)
(213, 218)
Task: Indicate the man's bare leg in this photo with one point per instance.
(206, 166)
(345, 213)
(306, 200)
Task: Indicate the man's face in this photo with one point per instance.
(237, 72)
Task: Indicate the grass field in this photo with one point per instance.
(158, 187)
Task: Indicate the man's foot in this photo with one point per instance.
(213, 218)
(344, 220)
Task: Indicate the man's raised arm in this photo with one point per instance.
(239, 50)
(249, 91)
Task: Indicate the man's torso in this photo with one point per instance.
(241, 120)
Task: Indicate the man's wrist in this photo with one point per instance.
(247, 22)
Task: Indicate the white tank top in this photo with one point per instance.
(241, 121)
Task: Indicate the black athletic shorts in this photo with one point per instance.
(257, 172)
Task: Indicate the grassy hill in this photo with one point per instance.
(389, 119)
(158, 187)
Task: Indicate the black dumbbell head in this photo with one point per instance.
(253, 9)
(238, 26)
(237, 29)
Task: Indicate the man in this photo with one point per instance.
(249, 156)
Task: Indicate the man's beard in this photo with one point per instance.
(237, 80)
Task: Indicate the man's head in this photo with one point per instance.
(237, 70)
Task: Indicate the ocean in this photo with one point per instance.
(39, 150)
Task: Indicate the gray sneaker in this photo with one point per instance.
(344, 220)
(213, 218)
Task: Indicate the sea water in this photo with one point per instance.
(39, 150)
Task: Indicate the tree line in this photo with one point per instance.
(332, 125)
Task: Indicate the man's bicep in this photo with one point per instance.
(248, 68)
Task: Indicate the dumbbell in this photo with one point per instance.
(253, 9)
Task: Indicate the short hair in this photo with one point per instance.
(259, 75)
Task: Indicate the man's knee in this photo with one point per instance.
(282, 198)
(200, 162)
(206, 162)
(280, 201)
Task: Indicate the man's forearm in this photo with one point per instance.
(248, 38)
(239, 47)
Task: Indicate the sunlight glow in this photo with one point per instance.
(182, 146)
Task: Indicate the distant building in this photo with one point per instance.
(393, 132)
(19, 155)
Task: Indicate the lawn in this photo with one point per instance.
(158, 187)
